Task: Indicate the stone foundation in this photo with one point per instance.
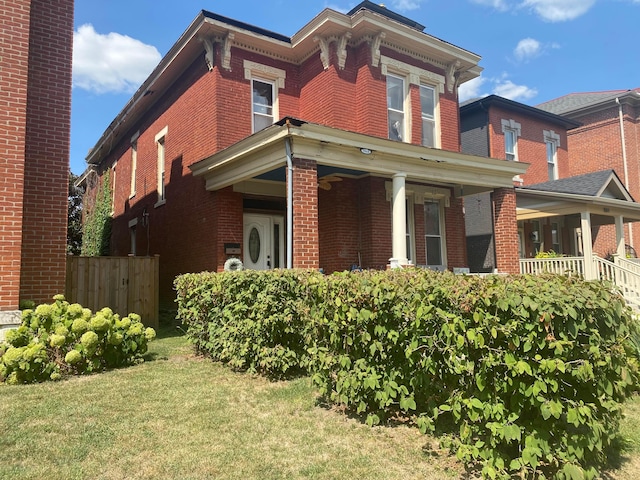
(9, 320)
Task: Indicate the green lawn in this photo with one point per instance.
(180, 416)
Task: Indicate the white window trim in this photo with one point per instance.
(436, 114)
(443, 234)
(552, 137)
(416, 195)
(516, 128)
(416, 76)
(113, 188)
(134, 163)
(406, 108)
(160, 138)
(267, 74)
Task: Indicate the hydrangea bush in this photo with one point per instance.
(59, 339)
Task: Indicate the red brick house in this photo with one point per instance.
(608, 137)
(556, 208)
(36, 38)
(335, 148)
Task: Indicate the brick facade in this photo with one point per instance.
(207, 110)
(35, 47)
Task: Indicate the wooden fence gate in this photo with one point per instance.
(124, 284)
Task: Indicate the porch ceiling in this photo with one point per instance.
(533, 204)
(337, 149)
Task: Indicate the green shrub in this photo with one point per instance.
(530, 371)
(250, 320)
(60, 339)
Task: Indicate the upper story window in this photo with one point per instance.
(265, 81)
(396, 105)
(134, 164)
(428, 111)
(512, 131)
(400, 77)
(161, 148)
(552, 142)
(262, 104)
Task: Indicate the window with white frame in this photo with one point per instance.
(134, 164)
(428, 111)
(433, 233)
(265, 81)
(400, 76)
(161, 148)
(262, 104)
(113, 188)
(396, 105)
(552, 142)
(511, 130)
(410, 227)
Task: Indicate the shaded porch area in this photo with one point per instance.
(348, 200)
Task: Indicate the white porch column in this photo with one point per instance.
(620, 250)
(587, 245)
(399, 222)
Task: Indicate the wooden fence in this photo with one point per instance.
(124, 284)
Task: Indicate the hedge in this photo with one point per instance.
(530, 370)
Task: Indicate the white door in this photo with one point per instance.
(263, 242)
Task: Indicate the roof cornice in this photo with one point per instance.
(328, 26)
(501, 102)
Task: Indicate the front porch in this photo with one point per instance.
(576, 226)
(351, 200)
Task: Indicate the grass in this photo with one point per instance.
(180, 416)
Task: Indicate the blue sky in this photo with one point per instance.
(532, 50)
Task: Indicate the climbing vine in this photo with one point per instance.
(96, 230)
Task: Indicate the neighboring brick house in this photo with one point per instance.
(335, 148)
(554, 205)
(497, 127)
(608, 138)
(36, 39)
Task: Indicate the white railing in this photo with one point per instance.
(632, 264)
(626, 279)
(559, 265)
(624, 274)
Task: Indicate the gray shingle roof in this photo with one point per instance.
(587, 184)
(576, 101)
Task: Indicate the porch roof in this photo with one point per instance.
(349, 152)
(602, 194)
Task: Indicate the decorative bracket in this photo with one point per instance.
(451, 75)
(209, 52)
(342, 49)
(226, 50)
(324, 50)
(375, 48)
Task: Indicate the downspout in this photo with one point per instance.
(287, 147)
(624, 158)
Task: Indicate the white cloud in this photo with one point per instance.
(508, 89)
(527, 48)
(559, 10)
(111, 63)
(471, 89)
(405, 5)
(481, 87)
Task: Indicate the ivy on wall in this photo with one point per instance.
(96, 230)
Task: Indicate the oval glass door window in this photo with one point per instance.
(254, 245)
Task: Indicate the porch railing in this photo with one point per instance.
(559, 265)
(623, 274)
(626, 279)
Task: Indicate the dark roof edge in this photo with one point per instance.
(382, 10)
(246, 26)
(495, 100)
